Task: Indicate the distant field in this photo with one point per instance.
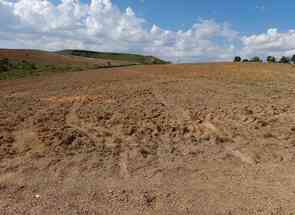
(19, 63)
(140, 59)
(45, 57)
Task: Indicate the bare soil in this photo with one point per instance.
(169, 139)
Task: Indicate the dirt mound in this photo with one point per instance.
(169, 139)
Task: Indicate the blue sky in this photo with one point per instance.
(180, 31)
(248, 17)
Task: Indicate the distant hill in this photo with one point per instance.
(18, 63)
(135, 58)
(54, 58)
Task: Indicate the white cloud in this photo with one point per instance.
(101, 25)
(260, 8)
(197, 43)
(272, 42)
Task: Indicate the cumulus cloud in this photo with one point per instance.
(101, 25)
(199, 42)
(272, 42)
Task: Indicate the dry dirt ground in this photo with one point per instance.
(170, 139)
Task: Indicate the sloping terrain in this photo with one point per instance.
(135, 58)
(164, 139)
(36, 56)
(17, 63)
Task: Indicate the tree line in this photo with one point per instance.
(269, 59)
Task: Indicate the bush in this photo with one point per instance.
(255, 59)
(284, 59)
(3, 68)
(4, 61)
(4, 65)
(271, 59)
(33, 66)
(237, 59)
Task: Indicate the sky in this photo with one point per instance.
(179, 31)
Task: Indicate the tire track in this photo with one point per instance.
(73, 121)
(183, 117)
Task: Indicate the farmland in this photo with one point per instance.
(19, 63)
(159, 139)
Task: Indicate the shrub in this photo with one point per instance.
(4, 65)
(255, 59)
(33, 66)
(284, 59)
(3, 68)
(271, 59)
(237, 59)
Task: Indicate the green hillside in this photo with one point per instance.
(140, 59)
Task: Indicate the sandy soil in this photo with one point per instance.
(171, 139)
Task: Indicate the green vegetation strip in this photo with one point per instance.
(11, 69)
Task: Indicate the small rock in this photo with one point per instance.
(149, 199)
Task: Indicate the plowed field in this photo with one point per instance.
(170, 139)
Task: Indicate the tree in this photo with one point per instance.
(293, 59)
(255, 59)
(271, 59)
(237, 59)
(284, 59)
